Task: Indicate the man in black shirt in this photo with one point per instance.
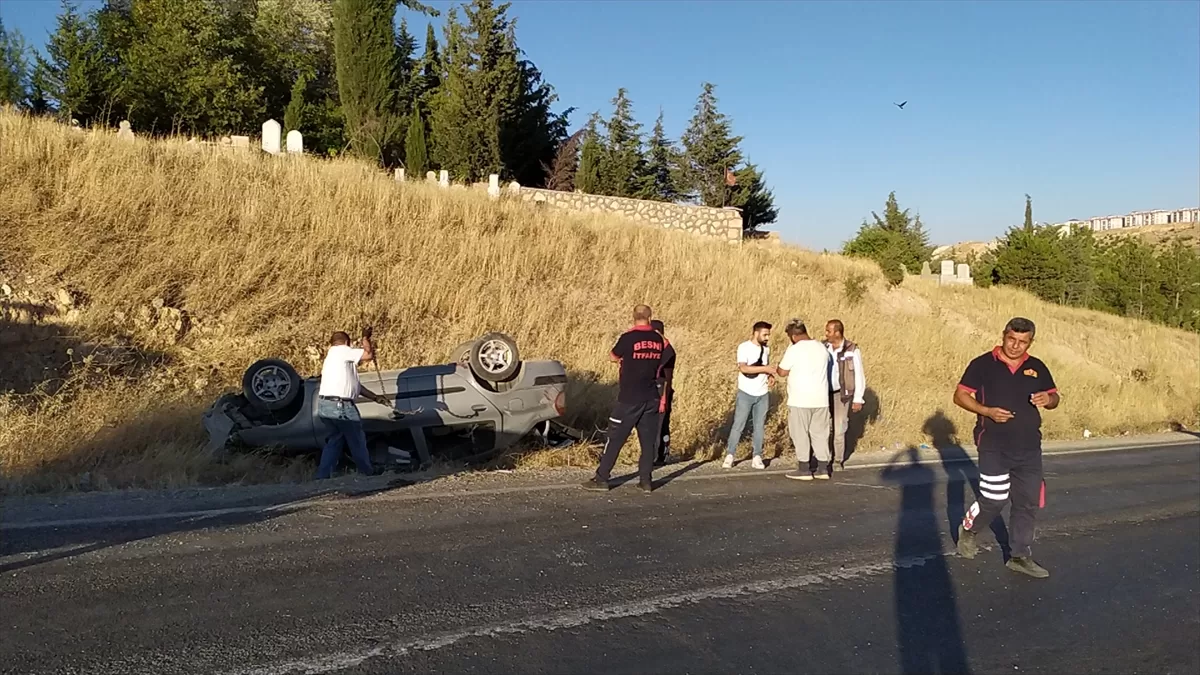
(640, 354)
(666, 384)
(1005, 389)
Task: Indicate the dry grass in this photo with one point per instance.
(268, 254)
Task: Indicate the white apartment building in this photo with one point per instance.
(1136, 219)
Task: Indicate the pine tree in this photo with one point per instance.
(561, 174)
(38, 99)
(709, 149)
(76, 73)
(491, 114)
(587, 178)
(430, 67)
(623, 165)
(293, 117)
(14, 68)
(897, 235)
(416, 152)
(364, 47)
(661, 160)
(753, 198)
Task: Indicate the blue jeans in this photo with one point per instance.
(343, 418)
(744, 407)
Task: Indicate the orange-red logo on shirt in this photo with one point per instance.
(1030, 372)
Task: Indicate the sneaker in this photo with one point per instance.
(646, 486)
(728, 464)
(967, 546)
(757, 463)
(800, 475)
(824, 475)
(595, 485)
(1026, 565)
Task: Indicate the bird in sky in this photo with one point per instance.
(899, 105)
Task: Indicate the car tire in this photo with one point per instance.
(271, 384)
(494, 358)
(462, 353)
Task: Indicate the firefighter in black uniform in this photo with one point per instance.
(639, 351)
(1006, 388)
(666, 377)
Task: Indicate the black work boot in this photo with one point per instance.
(1026, 565)
(594, 484)
(967, 546)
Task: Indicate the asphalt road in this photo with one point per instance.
(752, 574)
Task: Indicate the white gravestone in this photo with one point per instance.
(494, 186)
(270, 136)
(444, 179)
(400, 175)
(125, 133)
(295, 141)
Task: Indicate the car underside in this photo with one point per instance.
(481, 402)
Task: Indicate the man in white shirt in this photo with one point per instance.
(753, 385)
(335, 404)
(806, 365)
(847, 384)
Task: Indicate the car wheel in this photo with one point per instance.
(271, 384)
(462, 353)
(494, 357)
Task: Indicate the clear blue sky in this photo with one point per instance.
(1091, 108)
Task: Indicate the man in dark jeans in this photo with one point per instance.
(666, 383)
(639, 351)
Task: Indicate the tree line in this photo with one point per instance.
(351, 80)
(1126, 275)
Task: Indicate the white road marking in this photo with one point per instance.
(575, 618)
(401, 496)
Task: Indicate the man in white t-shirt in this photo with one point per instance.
(753, 385)
(335, 404)
(806, 365)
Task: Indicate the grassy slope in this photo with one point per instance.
(270, 254)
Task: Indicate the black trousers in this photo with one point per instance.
(1006, 476)
(625, 418)
(663, 447)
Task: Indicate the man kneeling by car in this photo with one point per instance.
(335, 404)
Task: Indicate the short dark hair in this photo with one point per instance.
(339, 338)
(761, 325)
(658, 326)
(1020, 324)
(841, 328)
(796, 327)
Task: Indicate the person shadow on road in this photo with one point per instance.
(928, 634)
(960, 470)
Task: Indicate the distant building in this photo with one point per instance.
(1135, 219)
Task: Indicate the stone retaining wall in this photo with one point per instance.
(724, 224)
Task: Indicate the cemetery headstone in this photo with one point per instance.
(295, 142)
(270, 136)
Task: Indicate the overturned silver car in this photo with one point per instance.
(482, 401)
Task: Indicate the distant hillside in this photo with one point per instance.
(1189, 233)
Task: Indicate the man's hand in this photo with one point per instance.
(999, 415)
(1044, 399)
(856, 407)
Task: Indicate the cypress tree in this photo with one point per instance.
(416, 153)
(364, 49)
(587, 178)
